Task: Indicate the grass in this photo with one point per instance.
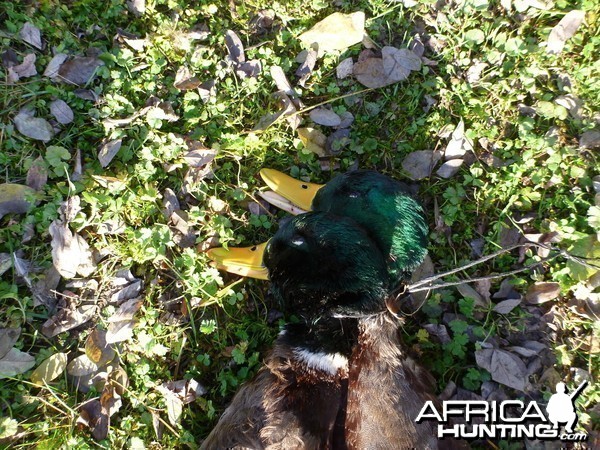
(198, 323)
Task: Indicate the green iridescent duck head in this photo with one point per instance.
(381, 205)
(321, 265)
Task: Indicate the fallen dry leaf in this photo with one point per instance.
(468, 292)
(15, 362)
(79, 70)
(504, 367)
(61, 112)
(306, 68)
(420, 164)
(15, 198)
(8, 339)
(590, 139)
(81, 366)
(564, 30)
(108, 151)
(199, 157)
(185, 80)
(450, 168)
(336, 32)
(97, 348)
(71, 254)
(456, 148)
(137, 7)
(67, 319)
(337, 141)
(24, 70)
(54, 65)
(50, 369)
(37, 175)
(345, 68)
(31, 34)
(542, 292)
(314, 141)
(398, 63)
(325, 117)
(507, 306)
(33, 127)
(234, 47)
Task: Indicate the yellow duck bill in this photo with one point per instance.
(298, 192)
(244, 261)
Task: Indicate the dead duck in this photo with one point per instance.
(373, 399)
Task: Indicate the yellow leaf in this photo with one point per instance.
(50, 369)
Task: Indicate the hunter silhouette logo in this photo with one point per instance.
(561, 406)
(508, 419)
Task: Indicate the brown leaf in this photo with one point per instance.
(420, 164)
(81, 366)
(79, 70)
(371, 73)
(398, 63)
(15, 362)
(93, 416)
(590, 139)
(185, 80)
(67, 319)
(137, 7)
(564, 30)
(37, 176)
(71, 254)
(54, 65)
(305, 70)
(468, 292)
(25, 69)
(234, 47)
(108, 151)
(61, 112)
(325, 117)
(542, 292)
(33, 127)
(200, 157)
(120, 331)
(15, 198)
(507, 306)
(8, 339)
(31, 34)
(450, 168)
(504, 367)
(345, 68)
(97, 348)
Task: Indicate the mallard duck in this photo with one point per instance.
(381, 205)
(337, 272)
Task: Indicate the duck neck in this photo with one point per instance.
(324, 345)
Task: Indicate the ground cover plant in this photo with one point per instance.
(131, 136)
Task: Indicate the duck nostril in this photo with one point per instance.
(253, 249)
(304, 186)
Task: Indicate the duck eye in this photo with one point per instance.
(354, 194)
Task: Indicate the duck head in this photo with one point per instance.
(324, 265)
(381, 205)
